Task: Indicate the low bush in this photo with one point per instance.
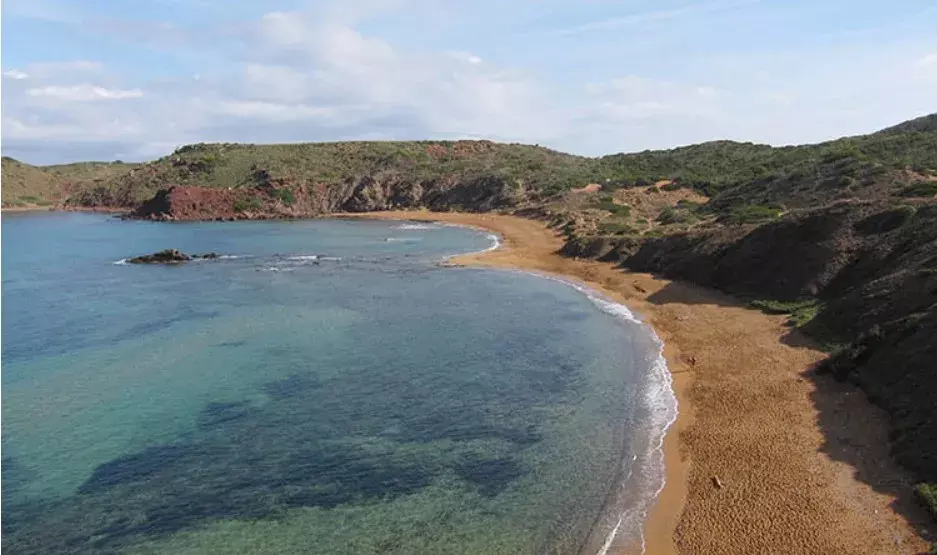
(752, 214)
(927, 494)
(671, 215)
(243, 205)
(286, 196)
(922, 189)
(615, 228)
(801, 311)
(622, 210)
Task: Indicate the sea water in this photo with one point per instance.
(322, 387)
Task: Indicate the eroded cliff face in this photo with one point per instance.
(274, 198)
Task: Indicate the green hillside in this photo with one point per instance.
(25, 185)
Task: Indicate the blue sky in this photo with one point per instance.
(133, 79)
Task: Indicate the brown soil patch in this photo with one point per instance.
(590, 188)
(647, 202)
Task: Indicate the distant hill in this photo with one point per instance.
(23, 184)
(27, 185)
(923, 124)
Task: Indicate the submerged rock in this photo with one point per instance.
(170, 256)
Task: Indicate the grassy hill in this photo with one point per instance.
(25, 185)
(731, 173)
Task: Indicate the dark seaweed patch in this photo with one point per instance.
(573, 315)
(136, 467)
(147, 328)
(15, 476)
(291, 386)
(215, 414)
(490, 476)
(239, 343)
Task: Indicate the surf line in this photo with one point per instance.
(659, 400)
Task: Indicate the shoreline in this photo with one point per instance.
(744, 470)
(60, 208)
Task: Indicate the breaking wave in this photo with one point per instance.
(417, 226)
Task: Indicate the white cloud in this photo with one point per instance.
(304, 59)
(115, 129)
(634, 97)
(271, 111)
(657, 15)
(68, 70)
(929, 60)
(83, 92)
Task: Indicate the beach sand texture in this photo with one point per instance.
(757, 460)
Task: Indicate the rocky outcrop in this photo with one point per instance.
(170, 256)
(280, 198)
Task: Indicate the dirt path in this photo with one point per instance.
(750, 416)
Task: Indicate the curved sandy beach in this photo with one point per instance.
(754, 462)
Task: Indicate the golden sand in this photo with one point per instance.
(749, 469)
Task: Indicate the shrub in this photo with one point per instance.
(801, 311)
(752, 214)
(622, 210)
(286, 196)
(921, 189)
(243, 205)
(615, 228)
(927, 494)
(672, 186)
(671, 215)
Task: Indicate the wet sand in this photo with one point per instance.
(755, 461)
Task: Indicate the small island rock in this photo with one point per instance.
(170, 256)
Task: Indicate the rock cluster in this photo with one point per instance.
(170, 256)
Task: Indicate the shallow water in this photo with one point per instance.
(324, 388)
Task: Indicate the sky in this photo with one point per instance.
(135, 79)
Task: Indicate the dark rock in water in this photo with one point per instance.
(171, 256)
(168, 256)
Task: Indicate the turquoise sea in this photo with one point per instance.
(325, 387)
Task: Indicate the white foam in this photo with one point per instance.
(121, 262)
(495, 244)
(312, 258)
(417, 226)
(660, 404)
(232, 256)
(403, 239)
